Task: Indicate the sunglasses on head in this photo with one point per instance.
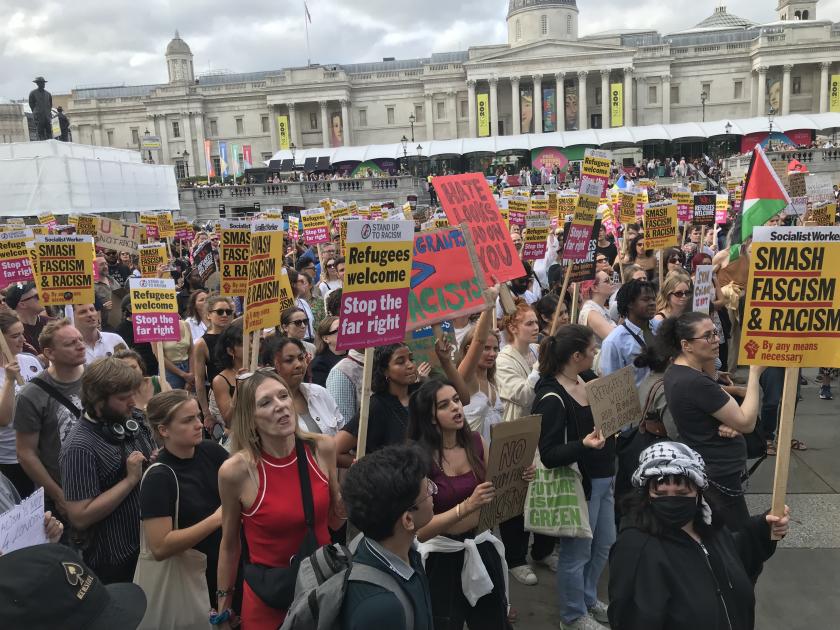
(223, 311)
(246, 375)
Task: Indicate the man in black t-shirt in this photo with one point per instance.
(118, 271)
(606, 247)
(101, 465)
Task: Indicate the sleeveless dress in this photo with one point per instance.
(274, 526)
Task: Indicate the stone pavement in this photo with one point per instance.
(800, 586)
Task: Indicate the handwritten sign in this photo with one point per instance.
(374, 304)
(14, 257)
(792, 312)
(23, 525)
(614, 400)
(119, 236)
(154, 310)
(234, 249)
(64, 269)
(512, 448)
(704, 289)
(467, 199)
(263, 298)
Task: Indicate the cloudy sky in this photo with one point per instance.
(95, 42)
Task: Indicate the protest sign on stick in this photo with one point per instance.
(614, 400)
(155, 319)
(119, 236)
(704, 208)
(263, 303)
(791, 317)
(234, 249)
(595, 172)
(150, 222)
(467, 199)
(152, 255)
(512, 450)
(316, 230)
(704, 289)
(64, 269)
(14, 257)
(165, 225)
(536, 238)
(661, 225)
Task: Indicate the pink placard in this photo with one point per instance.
(15, 270)
(149, 327)
(315, 236)
(373, 318)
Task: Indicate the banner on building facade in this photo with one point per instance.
(616, 105)
(835, 93)
(336, 130)
(283, 131)
(549, 109)
(570, 108)
(246, 155)
(208, 160)
(483, 101)
(526, 109)
(223, 159)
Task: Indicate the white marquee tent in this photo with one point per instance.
(608, 138)
(63, 177)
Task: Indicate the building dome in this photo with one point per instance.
(517, 6)
(177, 46)
(721, 19)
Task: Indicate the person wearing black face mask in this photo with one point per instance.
(674, 565)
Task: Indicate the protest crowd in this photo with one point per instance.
(218, 450)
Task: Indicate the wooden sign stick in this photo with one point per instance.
(575, 300)
(10, 358)
(367, 374)
(246, 344)
(255, 352)
(158, 346)
(555, 321)
(784, 436)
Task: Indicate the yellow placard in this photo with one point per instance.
(483, 105)
(150, 222)
(661, 225)
(153, 295)
(823, 214)
(234, 249)
(152, 255)
(64, 269)
(616, 105)
(792, 312)
(342, 210)
(264, 301)
(86, 225)
(539, 205)
(72, 219)
(695, 186)
(46, 218)
(627, 209)
(40, 229)
(315, 227)
(166, 226)
(283, 131)
(834, 94)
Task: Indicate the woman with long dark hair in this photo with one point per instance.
(228, 356)
(568, 436)
(674, 565)
(438, 424)
(202, 362)
(326, 356)
(709, 420)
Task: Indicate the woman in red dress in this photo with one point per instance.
(260, 490)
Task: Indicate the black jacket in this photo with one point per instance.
(667, 583)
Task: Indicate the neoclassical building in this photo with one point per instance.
(545, 78)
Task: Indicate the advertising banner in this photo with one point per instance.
(283, 132)
(616, 105)
(483, 105)
(549, 109)
(834, 93)
(526, 109)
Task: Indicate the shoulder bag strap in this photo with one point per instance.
(654, 389)
(177, 489)
(379, 577)
(52, 391)
(305, 485)
(638, 339)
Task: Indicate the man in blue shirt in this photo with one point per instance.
(636, 303)
(389, 498)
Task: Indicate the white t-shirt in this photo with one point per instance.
(105, 346)
(30, 367)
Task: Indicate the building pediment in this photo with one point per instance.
(548, 49)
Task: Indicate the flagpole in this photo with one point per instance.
(306, 26)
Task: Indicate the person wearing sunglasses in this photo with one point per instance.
(674, 297)
(294, 323)
(203, 364)
(709, 420)
(333, 276)
(326, 355)
(594, 313)
(675, 260)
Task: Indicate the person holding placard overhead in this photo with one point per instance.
(568, 436)
(710, 420)
(479, 350)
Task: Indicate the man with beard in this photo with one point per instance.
(101, 467)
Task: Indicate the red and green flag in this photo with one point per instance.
(764, 195)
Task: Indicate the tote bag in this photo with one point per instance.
(175, 588)
(556, 503)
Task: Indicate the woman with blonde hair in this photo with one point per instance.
(479, 350)
(674, 297)
(280, 489)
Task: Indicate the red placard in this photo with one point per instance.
(467, 199)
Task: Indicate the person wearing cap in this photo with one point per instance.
(23, 299)
(98, 344)
(675, 566)
(40, 102)
(101, 467)
(48, 586)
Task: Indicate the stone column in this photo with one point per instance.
(494, 106)
(345, 121)
(325, 124)
(628, 97)
(274, 140)
(471, 106)
(786, 89)
(583, 113)
(516, 114)
(537, 103)
(97, 134)
(452, 107)
(293, 124)
(428, 116)
(606, 99)
(187, 133)
(761, 102)
(160, 126)
(666, 99)
(560, 95)
(824, 68)
(197, 157)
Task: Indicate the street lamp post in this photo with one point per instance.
(728, 129)
(404, 142)
(770, 115)
(703, 97)
(186, 156)
(419, 159)
(412, 119)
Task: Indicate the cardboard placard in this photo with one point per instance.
(446, 279)
(467, 199)
(512, 449)
(263, 298)
(234, 249)
(792, 311)
(661, 225)
(152, 255)
(374, 303)
(614, 400)
(119, 236)
(704, 289)
(154, 309)
(64, 269)
(23, 525)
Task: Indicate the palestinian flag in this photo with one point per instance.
(764, 195)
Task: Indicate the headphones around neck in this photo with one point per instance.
(117, 432)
